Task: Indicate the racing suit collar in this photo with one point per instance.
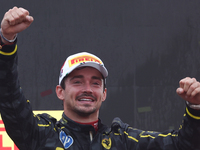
(67, 122)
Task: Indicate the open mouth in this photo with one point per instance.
(86, 100)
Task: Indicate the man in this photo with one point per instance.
(82, 90)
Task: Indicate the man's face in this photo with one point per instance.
(83, 92)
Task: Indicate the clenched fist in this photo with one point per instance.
(189, 90)
(14, 21)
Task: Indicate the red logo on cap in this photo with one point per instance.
(84, 58)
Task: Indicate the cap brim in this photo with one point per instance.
(97, 66)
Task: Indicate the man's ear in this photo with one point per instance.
(104, 95)
(59, 92)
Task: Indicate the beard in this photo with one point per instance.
(85, 110)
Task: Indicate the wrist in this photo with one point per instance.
(193, 106)
(7, 40)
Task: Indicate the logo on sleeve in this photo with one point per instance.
(66, 140)
(106, 143)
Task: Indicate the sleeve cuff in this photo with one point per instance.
(8, 51)
(195, 114)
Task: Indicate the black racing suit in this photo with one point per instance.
(43, 132)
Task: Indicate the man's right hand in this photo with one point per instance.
(14, 21)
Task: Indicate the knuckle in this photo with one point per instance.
(15, 7)
(187, 82)
(12, 20)
(194, 92)
(193, 87)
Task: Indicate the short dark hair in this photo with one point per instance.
(62, 84)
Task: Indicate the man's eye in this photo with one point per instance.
(77, 82)
(96, 83)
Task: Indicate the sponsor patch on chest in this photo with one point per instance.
(66, 140)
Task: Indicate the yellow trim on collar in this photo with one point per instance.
(11, 53)
(191, 115)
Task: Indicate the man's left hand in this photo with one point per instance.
(189, 90)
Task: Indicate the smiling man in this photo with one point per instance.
(82, 88)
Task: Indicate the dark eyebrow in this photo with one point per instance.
(78, 76)
(95, 77)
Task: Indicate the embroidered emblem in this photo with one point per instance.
(106, 143)
(66, 140)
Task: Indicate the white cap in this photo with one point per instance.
(80, 60)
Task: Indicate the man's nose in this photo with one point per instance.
(88, 88)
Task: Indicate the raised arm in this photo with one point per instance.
(25, 129)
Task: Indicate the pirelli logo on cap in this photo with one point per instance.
(82, 59)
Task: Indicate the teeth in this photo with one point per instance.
(85, 100)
